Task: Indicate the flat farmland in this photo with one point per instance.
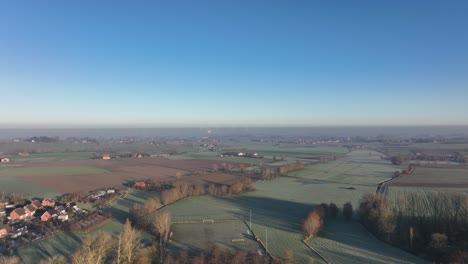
(52, 171)
(84, 175)
(358, 167)
(434, 177)
(194, 237)
(276, 208)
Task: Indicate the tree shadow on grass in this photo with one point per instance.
(279, 214)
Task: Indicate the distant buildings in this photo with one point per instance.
(139, 185)
(4, 160)
(106, 157)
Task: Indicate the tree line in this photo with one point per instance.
(269, 173)
(433, 225)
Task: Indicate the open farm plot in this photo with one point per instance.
(227, 235)
(55, 156)
(86, 175)
(348, 242)
(17, 184)
(215, 156)
(279, 205)
(52, 171)
(358, 167)
(434, 177)
(419, 202)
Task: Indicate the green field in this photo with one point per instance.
(209, 155)
(358, 167)
(406, 199)
(280, 206)
(350, 242)
(202, 236)
(49, 171)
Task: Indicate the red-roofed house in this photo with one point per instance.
(30, 210)
(139, 185)
(18, 214)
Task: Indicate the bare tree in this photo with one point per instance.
(128, 245)
(93, 249)
(55, 260)
(313, 223)
(162, 223)
(9, 260)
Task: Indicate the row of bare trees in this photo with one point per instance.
(269, 173)
(183, 190)
(419, 222)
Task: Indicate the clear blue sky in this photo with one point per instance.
(233, 63)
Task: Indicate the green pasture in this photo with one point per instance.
(280, 206)
(210, 155)
(202, 236)
(349, 242)
(358, 167)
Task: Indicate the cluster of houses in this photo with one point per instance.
(133, 155)
(239, 154)
(43, 211)
(4, 160)
(101, 193)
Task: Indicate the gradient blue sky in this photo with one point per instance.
(233, 63)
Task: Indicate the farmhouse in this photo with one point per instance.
(106, 157)
(23, 154)
(139, 185)
(4, 160)
(48, 202)
(18, 214)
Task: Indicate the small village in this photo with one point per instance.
(24, 221)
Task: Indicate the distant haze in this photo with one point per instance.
(198, 132)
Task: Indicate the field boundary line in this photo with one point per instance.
(201, 221)
(260, 241)
(315, 251)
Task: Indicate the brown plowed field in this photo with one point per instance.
(434, 177)
(130, 169)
